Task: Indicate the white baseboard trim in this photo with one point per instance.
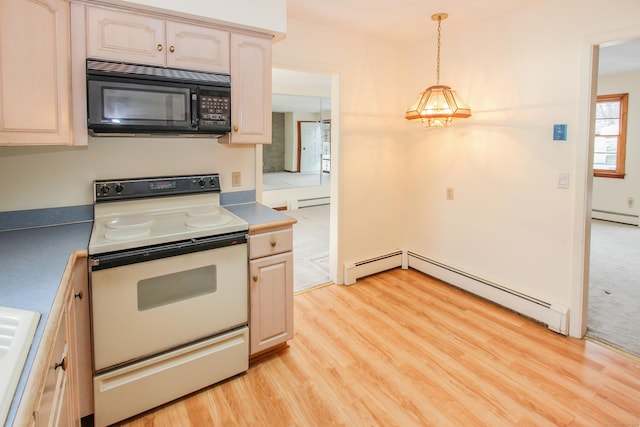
(556, 317)
(615, 217)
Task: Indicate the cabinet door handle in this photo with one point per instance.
(79, 295)
(62, 364)
(235, 128)
(172, 49)
(159, 48)
(255, 279)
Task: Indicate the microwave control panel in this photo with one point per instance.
(215, 110)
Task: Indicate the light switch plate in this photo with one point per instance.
(563, 180)
(560, 132)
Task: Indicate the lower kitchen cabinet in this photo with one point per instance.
(56, 403)
(61, 394)
(270, 289)
(80, 288)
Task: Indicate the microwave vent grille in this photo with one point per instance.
(158, 72)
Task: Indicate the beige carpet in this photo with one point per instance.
(614, 286)
(310, 247)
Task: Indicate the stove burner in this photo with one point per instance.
(131, 221)
(208, 221)
(203, 211)
(131, 233)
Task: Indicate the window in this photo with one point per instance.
(610, 136)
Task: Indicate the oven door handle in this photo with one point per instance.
(133, 256)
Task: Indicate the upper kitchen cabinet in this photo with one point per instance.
(250, 89)
(35, 74)
(132, 37)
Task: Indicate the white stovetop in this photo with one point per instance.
(143, 222)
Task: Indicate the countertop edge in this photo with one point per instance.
(37, 373)
(272, 225)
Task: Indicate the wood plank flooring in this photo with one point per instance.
(403, 349)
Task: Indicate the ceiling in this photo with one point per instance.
(620, 57)
(408, 22)
(402, 20)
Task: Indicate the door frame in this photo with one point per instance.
(584, 174)
(335, 245)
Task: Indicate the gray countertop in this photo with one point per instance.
(33, 260)
(32, 263)
(256, 213)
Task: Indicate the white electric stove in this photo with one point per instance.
(169, 290)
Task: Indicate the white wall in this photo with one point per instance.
(509, 223)
(41, 177)
(609, 194)
(370, 129)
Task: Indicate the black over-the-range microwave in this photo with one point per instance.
(132, 99)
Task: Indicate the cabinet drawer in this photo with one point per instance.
(271, 243)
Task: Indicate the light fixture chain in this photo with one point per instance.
(438, 62)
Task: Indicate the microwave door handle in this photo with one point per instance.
(194, 109)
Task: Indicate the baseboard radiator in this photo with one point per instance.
(622, 218)
(305, 203)
(555, 316)
(356, 270)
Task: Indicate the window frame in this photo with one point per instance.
(621, 152)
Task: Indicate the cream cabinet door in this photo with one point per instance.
(250, 89)
(126, 37)
(271, 290)
(80, 299)
(53, 407)
(35, 76)
(194, 47)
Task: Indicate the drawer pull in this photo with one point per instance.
(273, 244)
(62, 364)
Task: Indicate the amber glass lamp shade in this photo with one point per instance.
(437, 106)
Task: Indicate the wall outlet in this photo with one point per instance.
(449, 193)
(236, 179)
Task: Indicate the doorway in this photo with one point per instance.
(297, 173)
(612, 295)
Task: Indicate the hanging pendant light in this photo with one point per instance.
(438, 105)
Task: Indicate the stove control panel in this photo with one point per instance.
(136, 188)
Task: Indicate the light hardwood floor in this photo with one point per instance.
(403, 349)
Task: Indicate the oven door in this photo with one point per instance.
(149, 307)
